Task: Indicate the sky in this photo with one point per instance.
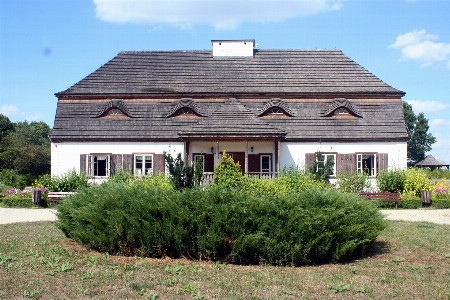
(46, 46)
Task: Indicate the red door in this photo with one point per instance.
(239, 157)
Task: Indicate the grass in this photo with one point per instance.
(408, 261)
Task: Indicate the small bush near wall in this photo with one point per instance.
(310, 227)
(440, 203)
(353, 182)
(16, 201)
(391, 180)
(410, 201)
(69, 182)
(416, 181)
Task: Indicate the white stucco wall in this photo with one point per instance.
(66, 156)
(293, 154)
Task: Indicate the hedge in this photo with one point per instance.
(310, 227)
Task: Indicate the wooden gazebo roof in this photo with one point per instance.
(431, 162)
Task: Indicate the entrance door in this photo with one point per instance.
(240, 158)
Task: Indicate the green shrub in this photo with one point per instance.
(228, 173)
(124, 176)
(160, 181)
(437, 173)
(181, 175)
(321, 168)
(13, 178)
(294, 180)
(289, 181)
(353, 182)
(440, 203)
(16, 201)
(310, 227)
(416, 181)
(410, 201)
(69, 182)
(391, 180)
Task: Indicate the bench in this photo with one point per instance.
(58, 196)
(382, 196)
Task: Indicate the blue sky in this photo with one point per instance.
(49, 45)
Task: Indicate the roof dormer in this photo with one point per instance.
(341, 108)
(114, 108)
(276, 107)
(185, 107)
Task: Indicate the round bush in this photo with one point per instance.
(310, 227)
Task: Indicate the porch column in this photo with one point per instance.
(277, 155)
(216, 159)
(186, 151)
(246, 157)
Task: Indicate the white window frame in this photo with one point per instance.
(360, 157)
(261, 163)
(142, 171)
(198, 156)
(92, 165)
(325, 157)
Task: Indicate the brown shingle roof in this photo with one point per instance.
(269, 71)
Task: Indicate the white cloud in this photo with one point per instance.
(15, 114)
(440, 149)
(427, 106)
(439, 124)
(218, 13)
(419, 45)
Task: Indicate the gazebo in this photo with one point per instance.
(431, 162)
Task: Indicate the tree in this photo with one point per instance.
(322, 168)
(6, 126)
(182, 176)
(419, 140)
(26, 149)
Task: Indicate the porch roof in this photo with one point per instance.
(232, 120)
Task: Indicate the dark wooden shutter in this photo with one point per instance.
(209, 162)
(116, 163)
(383, 162)
(346, 162)
(254, 164)
(310, 158)
(83, 163)
(158, 164)
(127, 163)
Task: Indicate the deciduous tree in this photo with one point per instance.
(420, 140)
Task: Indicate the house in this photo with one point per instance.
(269, 109)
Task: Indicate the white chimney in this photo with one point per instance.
(236, 48)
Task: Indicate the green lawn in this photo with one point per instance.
(408, 261)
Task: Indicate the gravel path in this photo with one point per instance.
(439, 216)
(19, 215)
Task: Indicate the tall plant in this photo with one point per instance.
(392, 180)
(353, 182)
(182, 176)
(322, 168)
(228, 173)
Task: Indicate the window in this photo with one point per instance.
(275, 111)
(114, 112)
(266, 163)
(322, 159)
(366, 163)
(98, 165)
(199, 160)
(143, 164)
(185, 111)
(341, 111)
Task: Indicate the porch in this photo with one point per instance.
(256, 158)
